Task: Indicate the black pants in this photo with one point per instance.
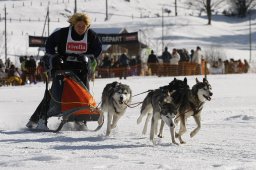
(80, 69)
(123, 72)
(42, 108)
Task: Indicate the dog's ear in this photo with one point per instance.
(185, 80)
(174, 79)
(197, 80)
(205, 80)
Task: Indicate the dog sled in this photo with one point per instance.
(69, 100)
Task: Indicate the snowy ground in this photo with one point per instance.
(226, 140)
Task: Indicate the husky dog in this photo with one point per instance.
(159, 103)
(192, 105)
(115, 98)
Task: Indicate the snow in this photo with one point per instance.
(225, 141)
(187, 30)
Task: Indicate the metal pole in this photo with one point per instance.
(5, 33)
(48, 14)
(75, 10)
(139, 39)
(176, 12)
(45, 22)
(106, 10)
(250, 36)
(162, 29)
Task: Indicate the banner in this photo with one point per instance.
(36, 41)
(123, 38)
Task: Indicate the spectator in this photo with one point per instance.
(221, 65)
(2, 66)
(41, 72)
(8, 63)
(138, 64)
(31, 69)
(133, 63)
(175, 57)
(191, 54)
(197, 56)
(246, 66)
(184, 56)
(14, 76)
(240, 66)
(166, 56)
(153, 63)
(106, 63)
(197, 59)
(123, 65)
(24, 71)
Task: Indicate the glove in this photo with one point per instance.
(92, 68)
(47, 62)
(93, 64)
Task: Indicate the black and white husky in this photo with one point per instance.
(115, 98)
(192, 105)
(200, 93)
(158, 105)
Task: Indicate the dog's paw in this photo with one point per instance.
(160, 135)
(113, 126)
(174, 142)
(182, 142)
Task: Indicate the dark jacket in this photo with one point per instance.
(123, 61)
(166, 56)
(59, 39)
(152, 58)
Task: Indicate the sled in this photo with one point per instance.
(71, 101)
(69, 117)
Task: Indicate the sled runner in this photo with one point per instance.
(70, 100)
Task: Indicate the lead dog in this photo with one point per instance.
(192, 105)
(158, 105)
(115, 98)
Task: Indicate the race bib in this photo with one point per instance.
(76, 46)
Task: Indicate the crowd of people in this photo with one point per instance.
(164, 65)
(177, 62)
(121, 66)
(29, 72)
(168, 64)
(229, 66)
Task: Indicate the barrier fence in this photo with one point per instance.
(161, 69)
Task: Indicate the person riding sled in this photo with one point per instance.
(75, 48)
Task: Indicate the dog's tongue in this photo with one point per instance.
(207, 97)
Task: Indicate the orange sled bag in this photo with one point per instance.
(70, 95)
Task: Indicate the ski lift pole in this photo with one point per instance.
(5, 34)
(205, 69)
(46, 19)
